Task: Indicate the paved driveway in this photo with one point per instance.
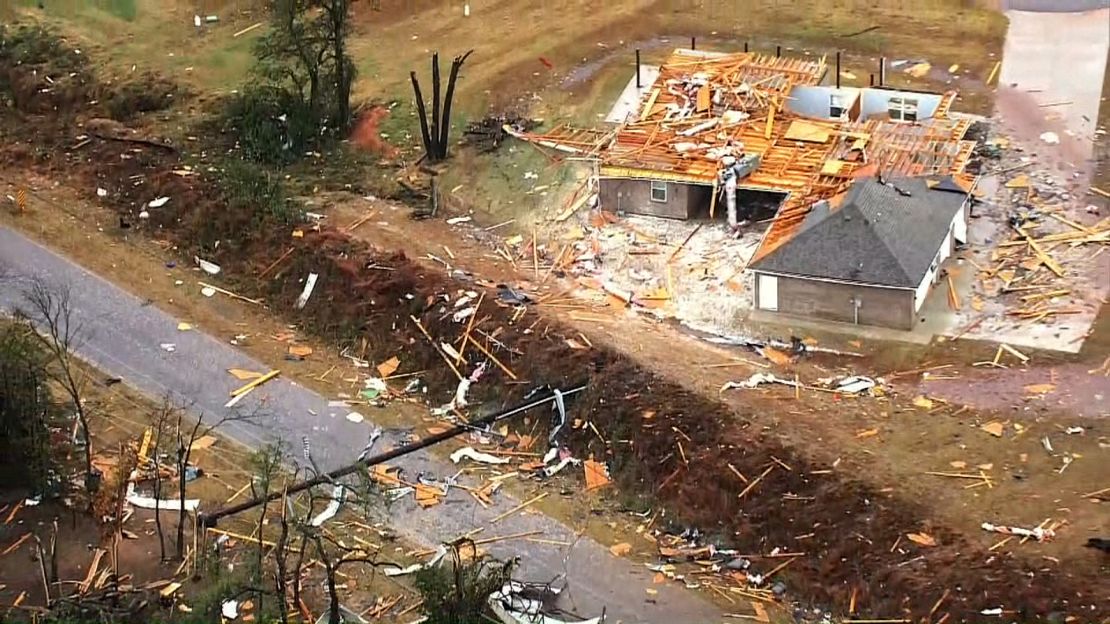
(122, 338)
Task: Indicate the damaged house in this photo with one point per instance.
(760, 140)
(869, 256)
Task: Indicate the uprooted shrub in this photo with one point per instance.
(458, 592)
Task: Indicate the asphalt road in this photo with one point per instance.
(122, 337)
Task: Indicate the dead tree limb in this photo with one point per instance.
(436, 131)
(422, 113)
(445, 124)
(436, 112)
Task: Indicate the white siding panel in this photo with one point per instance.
(768, 292)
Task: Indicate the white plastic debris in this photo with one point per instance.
(469, 453)
(995, 611)
(229, 609)
(460, 393)
(457, 220)
(309, 286)
(440, 553)
(168, 347)
(100, 192)
(550, 455)
(450, 351)
(550, 471)
(464, 314)
(1037, 533)
(1051, 138)
(512, 606)
(158, 203)
(337, 495)
(355, 417)
(1074, 430)
(374, 435)
(210, 268)
(147, 502)
(208, 291)
(855, 385)
(756, 379)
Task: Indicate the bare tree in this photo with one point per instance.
(50, 311)
(435, 133)
(186, 438)
(281, 558)
(266, 463)
(162, 418)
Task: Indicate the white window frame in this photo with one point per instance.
(901, 108)
(658, 185)
(836, 103)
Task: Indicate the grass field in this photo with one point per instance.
(510, 37)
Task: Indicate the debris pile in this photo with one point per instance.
(487, 134)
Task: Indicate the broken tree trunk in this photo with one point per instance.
(436, 131)
(422, 113)
(440, 148)
(445, 124)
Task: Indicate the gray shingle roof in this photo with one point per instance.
(878, 235)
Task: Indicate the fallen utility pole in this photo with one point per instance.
(210, 520)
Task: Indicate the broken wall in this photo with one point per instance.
(816, 102)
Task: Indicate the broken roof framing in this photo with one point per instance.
(705, 106)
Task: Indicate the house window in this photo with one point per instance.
(836, 105)
(658, 191)
(902, 108)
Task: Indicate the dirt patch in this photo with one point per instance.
(367, 133)
(1075, 388)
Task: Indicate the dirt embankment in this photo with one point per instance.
(664, 443)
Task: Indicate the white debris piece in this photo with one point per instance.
(100, 192)
(855, 385)
(757, 379)
(550, 471)
(440, 553)
(512, 607)
(338, 493)
(229, 609)
(147, 502)
(469, 453)
(450, 351)
(1036, 533)
(309, 285)
(1051, 138)
(210, 268)
(208, 291)
(158, 203)
(355, 417)
(457, 220)
(168, 347)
